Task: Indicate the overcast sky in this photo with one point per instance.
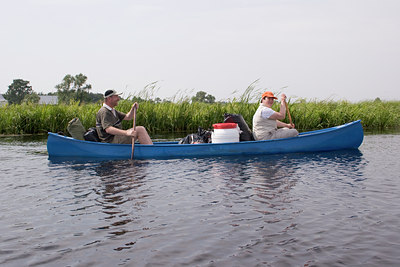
(314, 49)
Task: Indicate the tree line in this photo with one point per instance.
(75, 89)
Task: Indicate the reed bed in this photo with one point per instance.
(374, 115)
(186, 117)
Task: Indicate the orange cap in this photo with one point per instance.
(268, 94)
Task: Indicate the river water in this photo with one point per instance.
(315, 209)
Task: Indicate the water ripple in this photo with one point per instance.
(316, 209)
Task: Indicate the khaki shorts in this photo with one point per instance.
(121, 139)
(285, 133)
(279, 133)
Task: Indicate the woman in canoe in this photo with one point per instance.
(109, 123)
(266, 121)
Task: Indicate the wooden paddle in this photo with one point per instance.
(134, 128)
(288, 112)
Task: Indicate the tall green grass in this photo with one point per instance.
(183, 116)
(34, 118)
(375, 115)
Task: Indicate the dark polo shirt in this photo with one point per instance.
(106, 118)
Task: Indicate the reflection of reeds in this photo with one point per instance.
(183, 116)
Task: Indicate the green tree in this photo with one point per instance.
(74, 88)
(94, 98)
(210, 99)
(31, 98)
(17, 91)
(202, 96)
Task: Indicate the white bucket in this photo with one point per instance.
(225, 134)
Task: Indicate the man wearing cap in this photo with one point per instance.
(109, 123)
(266, 121)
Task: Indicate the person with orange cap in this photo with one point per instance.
(109, 123)
(266, 121)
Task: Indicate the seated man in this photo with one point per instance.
(266, 120)
(109, 123)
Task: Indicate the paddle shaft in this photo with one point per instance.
(134, 128)
(288, 112)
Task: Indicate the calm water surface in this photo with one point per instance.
(315, 209)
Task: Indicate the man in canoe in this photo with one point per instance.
(266, 121)
(109, 123)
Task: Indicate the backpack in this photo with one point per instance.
(91, 135)
(76, 129)
(202, 136)
(246, 134)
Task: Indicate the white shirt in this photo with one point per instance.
(267, 112)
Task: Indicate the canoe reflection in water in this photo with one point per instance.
(272, 177)
(160, 208)
(123, 193)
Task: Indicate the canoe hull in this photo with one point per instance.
(347, 136)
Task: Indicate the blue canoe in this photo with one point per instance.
(347, 136)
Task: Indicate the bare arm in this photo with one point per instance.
(115, 131)
(129, 115)
(282, 111)
(281, 115)
(280, 124)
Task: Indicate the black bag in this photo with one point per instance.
(91, 135)
(202, 136)
(246, 134)
(205, 135)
